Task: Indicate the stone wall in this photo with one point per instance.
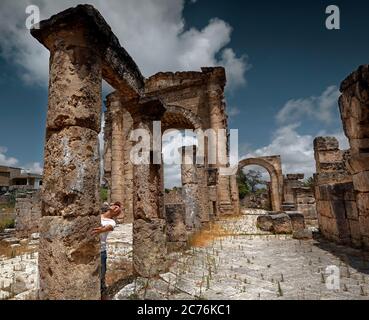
(257, 201)
(354, 108)
(334, 192)
(305, 203)
(291, 181)
(28, 215)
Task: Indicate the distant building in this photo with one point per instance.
(14, 178)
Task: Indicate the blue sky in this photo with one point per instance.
(284, 66)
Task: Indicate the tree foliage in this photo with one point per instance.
(309, 182)
(248, 182)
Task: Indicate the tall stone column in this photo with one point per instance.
(117, 153)
(218, 121)
(203, 193)
(212, 179)
(107, 153)
(149, 226)
(128, 188)
(235, 194)
(69, 256)
(354, 107)
(190, 188)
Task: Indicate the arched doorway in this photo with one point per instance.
(272, 165)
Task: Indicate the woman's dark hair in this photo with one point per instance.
(117, 204)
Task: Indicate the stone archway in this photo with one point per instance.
(177, 117)
(199, 96)
(194, 179)
(83, 51)
(273, 166)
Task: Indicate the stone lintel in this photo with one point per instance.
(119, 69)
(174, 81)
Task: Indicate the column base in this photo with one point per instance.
(149, 247)
(226, 208)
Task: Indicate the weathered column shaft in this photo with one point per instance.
(218, 122)
(235, 194)
(190, 188)
(117, 153)
(128, 187)
(149, 226)
(202, 177)
(212, 178)
(69, 258)
(107, 152)
(176, 226)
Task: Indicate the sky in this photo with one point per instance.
(283, 65)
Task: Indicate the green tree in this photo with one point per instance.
(253, 179)
(309, 182)
(249, 182)
(103, 194)
(243, 187)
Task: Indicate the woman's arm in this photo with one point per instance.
(100, 230)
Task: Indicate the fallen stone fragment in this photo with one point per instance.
(265, 223)
(305, 234)
(281, 224)
(297, 220)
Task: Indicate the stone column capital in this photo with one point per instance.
(84, 27)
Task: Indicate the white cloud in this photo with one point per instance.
(232, 112)
(172, 172)
(5, 160)
(153, 32)
(172, 176)
(35, 167)
(321, 108)
(296, 150)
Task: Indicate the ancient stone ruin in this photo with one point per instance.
(342, 179)
(83, 52)
(273, 165)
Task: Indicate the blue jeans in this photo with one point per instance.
(103, 269)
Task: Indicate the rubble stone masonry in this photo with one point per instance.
(335, 199)
(354, 107)
(28, 215)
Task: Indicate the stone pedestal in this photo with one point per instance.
(176, 226)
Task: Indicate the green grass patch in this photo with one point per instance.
(6, 222)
